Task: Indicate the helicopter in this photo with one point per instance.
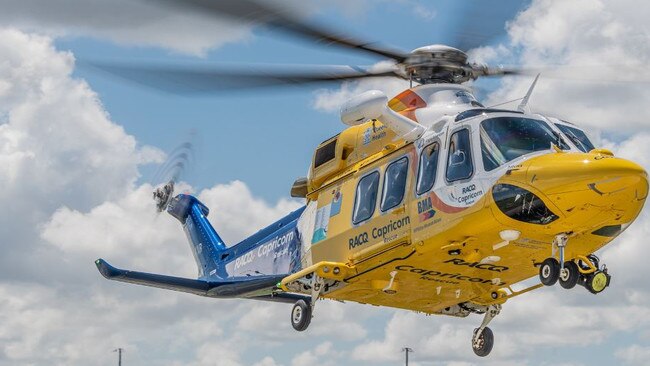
(429, 201)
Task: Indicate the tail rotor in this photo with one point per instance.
(169, 174)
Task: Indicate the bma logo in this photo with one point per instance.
(469, 188)
(424, 205)
(478, 265)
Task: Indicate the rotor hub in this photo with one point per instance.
(438, 63)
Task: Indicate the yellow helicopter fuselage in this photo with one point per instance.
(459, 241)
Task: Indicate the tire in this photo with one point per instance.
(569, 277)
(597, 282)
(549, 271)
(485, 342)
(300, 315)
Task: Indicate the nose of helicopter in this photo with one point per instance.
(589, 183)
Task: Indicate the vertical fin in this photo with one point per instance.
(205, 243)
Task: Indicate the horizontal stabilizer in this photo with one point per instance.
(228, 288)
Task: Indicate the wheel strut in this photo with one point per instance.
(302, 312)
(483, 338)
(560, 242)
(317, 287)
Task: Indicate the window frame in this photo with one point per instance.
(383, 187)
(471, 155)
(435, 178)
(323, 152)
(568, 138)
(565, 145)
(356, 197)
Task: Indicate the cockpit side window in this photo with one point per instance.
(576, 136)
(366, 198)
(394, 184)
(428, 168)
(459, 160)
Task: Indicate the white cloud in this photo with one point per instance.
(68, 180)
(147, 22)
(323, 354)
(123, 21)
(596, 42)
(330, 100)
(230, 203)
(425, 12)
(634, 354)
(57, 147)
(266, 361)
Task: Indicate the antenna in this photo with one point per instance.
(524, 102)
(119, 355)
(406, 350)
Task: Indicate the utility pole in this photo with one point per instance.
(406, 350)
(119, 355)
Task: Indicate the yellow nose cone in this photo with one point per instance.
(588, 187)
(599, 173)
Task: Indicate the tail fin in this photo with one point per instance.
(205, 242)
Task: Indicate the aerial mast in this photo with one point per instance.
(119, 355)
(406, 350)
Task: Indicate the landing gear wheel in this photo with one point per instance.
(549, 271)
(570, 275)
(597, 282)
(482, 345)
(300, 315)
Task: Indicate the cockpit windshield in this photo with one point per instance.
(577, 137)
(506, 138)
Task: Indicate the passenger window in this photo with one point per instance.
(366, 198)
(459, 161)
(394, 183)
(428, 168)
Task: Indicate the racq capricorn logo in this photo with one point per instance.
(468, 194)
(388, 232)
(278, 246)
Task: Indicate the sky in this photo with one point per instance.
(80, 149)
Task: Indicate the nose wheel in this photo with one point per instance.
(549, 271)
(569, 275)
(585, 272)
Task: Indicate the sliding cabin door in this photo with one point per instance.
(367, 211)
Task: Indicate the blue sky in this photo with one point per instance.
(76, 182)
(279, 124)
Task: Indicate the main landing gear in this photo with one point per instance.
(301, 313)
(483, 338)
(585, 272)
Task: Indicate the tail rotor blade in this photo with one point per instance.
(170, 173)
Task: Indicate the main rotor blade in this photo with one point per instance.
(476, 25)
(588, 74)
(189, 79)
(279, 18)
